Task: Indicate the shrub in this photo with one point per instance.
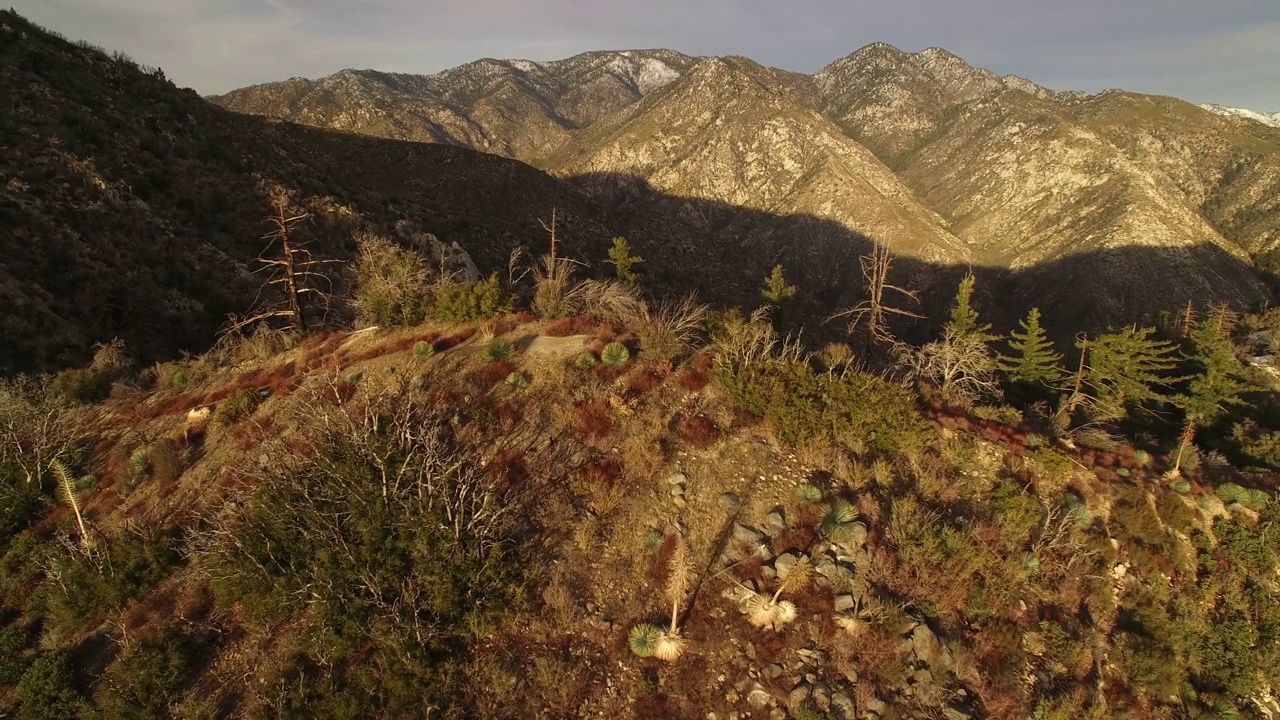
(424, 349)
(615, 354)
(517, 381)
(80, 385)
(134, 563)
(12, 644)
(585, 361)
(167, 460)
(236, 407)
(699, 430)
(145, 682)
(392, 284)
(464, 302)
(46, 690)
(500, 350)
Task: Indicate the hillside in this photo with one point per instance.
(574, 518)
(133, 209)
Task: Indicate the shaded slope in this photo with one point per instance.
(132, 208)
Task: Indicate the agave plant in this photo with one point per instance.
(1256, 499)
(67, 489)
(856, 619)
(768, 611)
(585, 361)
(615, 354)
(423, 349)
(1182, 486)
(517, 380)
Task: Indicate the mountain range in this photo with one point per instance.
(1101, 210)
(1090, 201)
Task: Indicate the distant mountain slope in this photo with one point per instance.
(132, 208)
(517, 108)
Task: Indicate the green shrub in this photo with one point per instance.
(91, 587)
(13, 642)
(236, 407)
(615, 354)
(145, 682)
(808, 493)
(1233, 493)
(861, 411)
(500, 350)
(424, 349)
(585, 361)
(465, 302)
(47, 690)
(178, 380)
(81, 385)
(517, 381)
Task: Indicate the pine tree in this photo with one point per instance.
(1128, 368)
(964, 319)
(1034, 360)
(776, 290)
(1215, 383)
(624, 262)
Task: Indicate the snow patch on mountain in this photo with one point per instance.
(648, 74)
(1271, 119)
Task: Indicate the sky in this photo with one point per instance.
(1220, 51)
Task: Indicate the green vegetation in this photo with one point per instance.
(776, 290)
(623, 261)
(615, 354)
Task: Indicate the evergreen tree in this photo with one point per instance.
(776, 290)
(1128, 368)
(1215, 384)
(1034, 360)
(964, 319)
(624, 262)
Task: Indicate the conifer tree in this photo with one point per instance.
(776, 290)
(1034, 360)
(623, 261)
(1127, 368)
(1215, 384)
(964, 319)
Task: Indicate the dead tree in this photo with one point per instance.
(873, 313)
(294, 281)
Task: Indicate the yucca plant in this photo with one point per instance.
(500, 350)
(1181, 485)
(517, 381)
(423, 349)
(855, 620)
(768, 611)
(808, 494)
(840, 521)
(585, 361)
(1142, 457)
(1256, 499)
(1233, 493)
(67, 490)
(615, 354)
(643, 639)
(670, 645)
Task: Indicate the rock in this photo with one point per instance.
(926, 645)
(679, 500)
(958, 712)
(844, 602)
(747, 536)
(677, 490)
(842, 707)
(799, 695)
(677, 479)
(774, 523)
(784, 563)
(757, 696)
(875, 705)
(729, 502)
(854, 537)
(922, 677)
(772, 671)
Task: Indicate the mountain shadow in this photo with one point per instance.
(726, 251)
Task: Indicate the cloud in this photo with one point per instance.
(1227, 51)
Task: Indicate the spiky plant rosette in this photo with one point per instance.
(615, 354)
(840, 521)
(670, 646)
(643, 639)
(808, 493)
(499, 350)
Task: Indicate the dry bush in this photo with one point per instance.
(691, 379)
(168, 460)
(564, 327)
(699, 431)
(594, 419)
(642, 381)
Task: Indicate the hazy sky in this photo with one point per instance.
(1224, 51)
